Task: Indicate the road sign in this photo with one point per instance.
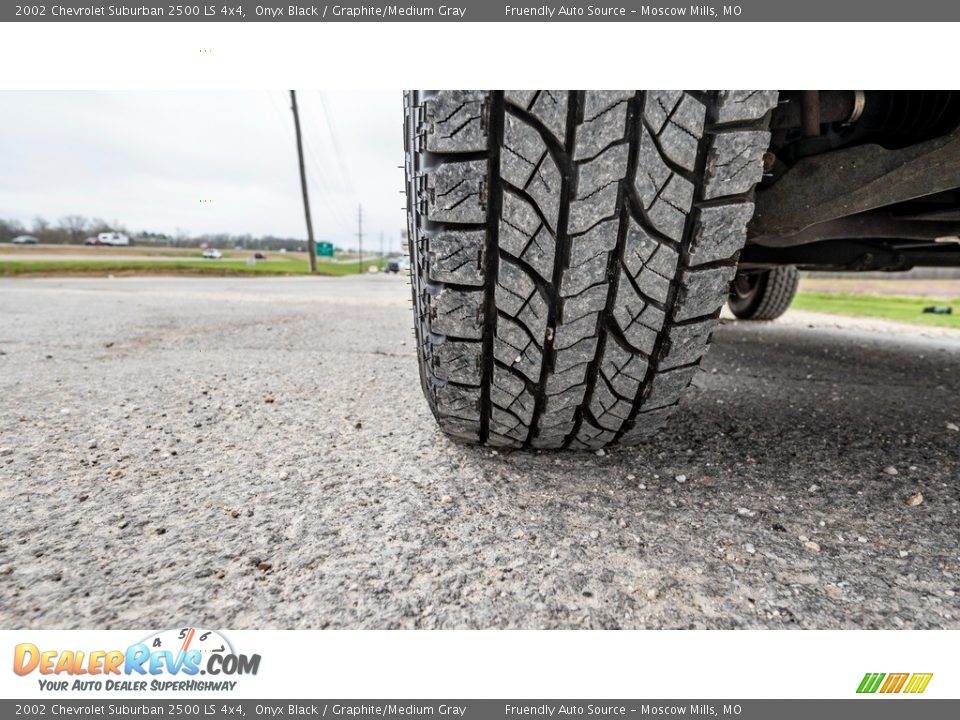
(325, 249)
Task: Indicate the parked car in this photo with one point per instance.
(24, 240)
(212, 254)
(572, 251)
(259, 255)
(392, 267)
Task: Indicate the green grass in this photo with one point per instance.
(889, 307)
(150, 266)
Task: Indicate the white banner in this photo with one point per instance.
(480, 664)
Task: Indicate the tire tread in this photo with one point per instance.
(571, 252)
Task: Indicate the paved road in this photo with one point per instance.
(255, 453)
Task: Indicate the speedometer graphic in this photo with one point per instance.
(184, 639)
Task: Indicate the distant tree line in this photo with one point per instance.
(75, 229)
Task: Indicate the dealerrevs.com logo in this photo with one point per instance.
(910, 683)
(168, 660)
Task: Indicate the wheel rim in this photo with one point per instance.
(744, 291)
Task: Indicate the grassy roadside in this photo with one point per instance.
(888, 307)
(147, 266)
(24, 252)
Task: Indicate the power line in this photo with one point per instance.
(333, 139)
(334, 211)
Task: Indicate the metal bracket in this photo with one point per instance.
(854, 180)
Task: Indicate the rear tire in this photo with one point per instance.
(764, 294)
(570, 253)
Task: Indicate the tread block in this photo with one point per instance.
(465, 430)
(457, 401)
(638, 248)
(552, 439)
(550, 108)
(666, 196)
(667, 387)
(598, 187)
(504, 424)
(457, 361)
(646, 424)
(514, 347)
(687, 343)
(569, 399)
(607, 409)
(623, 369)
(456, 312)
(457, 256)
(558, 420)
(523, 151)
(510, 393)
(639, 321)
(590, 436)
(592, 300)
(544, 188)
(742, 105)
(570, 333)
(655, 285)
(605, 121)
(525, 237)
(454, 121)
(589, 257)
(735, 162)
(517, 295)
(677, 120)
(580, 352)
(455, 192)
(520, 98)
(702, 292)
(560, 381)
(599, 238)
(501, 441)
(720, 232)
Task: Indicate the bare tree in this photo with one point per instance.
(74, 226)
(99, 225)
(40, 227)
(9, 229)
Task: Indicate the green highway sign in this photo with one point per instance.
(325, 249)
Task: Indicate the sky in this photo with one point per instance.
(206, 162)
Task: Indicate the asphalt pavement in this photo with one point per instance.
(256, 453)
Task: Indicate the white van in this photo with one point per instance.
(112, 238)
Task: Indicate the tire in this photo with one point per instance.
(763, 295)
(570, 253)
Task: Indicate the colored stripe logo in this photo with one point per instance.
(913, 683)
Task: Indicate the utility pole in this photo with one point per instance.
(311, 246)
(360, 236)
(381, 244)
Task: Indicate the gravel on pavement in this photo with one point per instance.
(256, 453)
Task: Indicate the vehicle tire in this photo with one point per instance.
(570, 253)
(763, 294)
